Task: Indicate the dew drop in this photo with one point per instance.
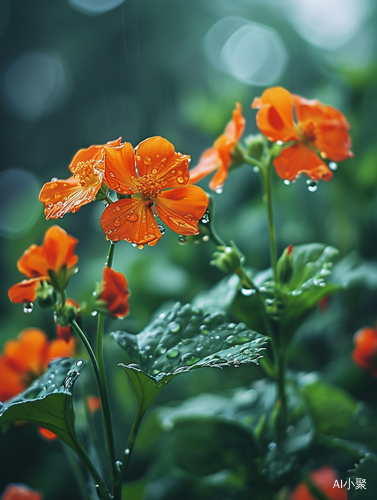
(219, 190)
(94, 313)
(312, 186)
(174, 327)
(54, 179)
(287, 182)
(203, 329)
(138, 157)
(118, 465)
(182, 239)
(205, 218)
(132, 217)
(163, 159)
(333, 166)
(117, 222)
(161, 350)
(172, 353)
(161, 228)
(206, 238)
(296, 293)
(256, 169)
(247, 291)
(134, 245)
(154, 171)
(115, 238)
(180, 180)
(189, 359)
(127, 451)
(112, 174)
(140, 247)
(28, 307)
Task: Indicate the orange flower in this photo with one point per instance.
(319, 128)
(324, 479)
(64, 332)
(60, 197)
(219, 156)
(50, 436)
(20, 492)
(365, 352)
(160, 187)
(115, 292)
(26, 358)
(37, 263)
(94, 403)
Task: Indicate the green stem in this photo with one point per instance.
(267, 199)
(104, 393)
(130, 445)
(281, 365)
(102, 389)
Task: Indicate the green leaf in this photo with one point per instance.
(206, 445)
(48, 401)
(312, 265)
(366, 470)
(184, 339)
(331, 408)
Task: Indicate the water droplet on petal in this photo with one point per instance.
(219, 190)
(180, 180)
(182, 239)
(138, 157)
(279, 143)
(312, 186)
(28, 307)
(205, 218)
(333, 166)
(54, 179)
(132, 217)
(287, 182)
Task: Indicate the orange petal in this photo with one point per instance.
(235, 128)
(47, 434)
(61, 197)
(324, 479)
(224, 148)
(94, 403)
(115, 292)
(330, 127)
(156, 156)
(91, 153)
(27, 353)
(59, 247)
(33, 262)
(58, 348)
(275, 116)
(130, 219)
(182, 208)
(25, 291)
(120, 168)
(11, 381)
(20, 492)
(300, 159)
(365, 352)
(208, 162)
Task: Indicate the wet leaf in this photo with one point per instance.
(365, 472)
(48, 401)
(184, 339)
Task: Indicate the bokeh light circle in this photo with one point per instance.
(95, 7)
(34, 85)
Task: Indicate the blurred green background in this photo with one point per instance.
(80, 72)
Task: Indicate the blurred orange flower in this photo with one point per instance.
(26, 358)
(62, 196)
(219, 156)
(158, 188)
(365, 352)
(318, 129)
(37, 262)
(20, 492)
(115, 292)
(94, 403)
(324, 479)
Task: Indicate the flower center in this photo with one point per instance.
(306, 131)
(149, 186)
(85, 171)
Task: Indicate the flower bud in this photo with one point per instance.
(255, 145)
(228, 259)
(285, 265)
(66, 314)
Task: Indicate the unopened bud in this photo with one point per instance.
(285, 265)
(228, 259)
(66, 314)
(255, 145)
